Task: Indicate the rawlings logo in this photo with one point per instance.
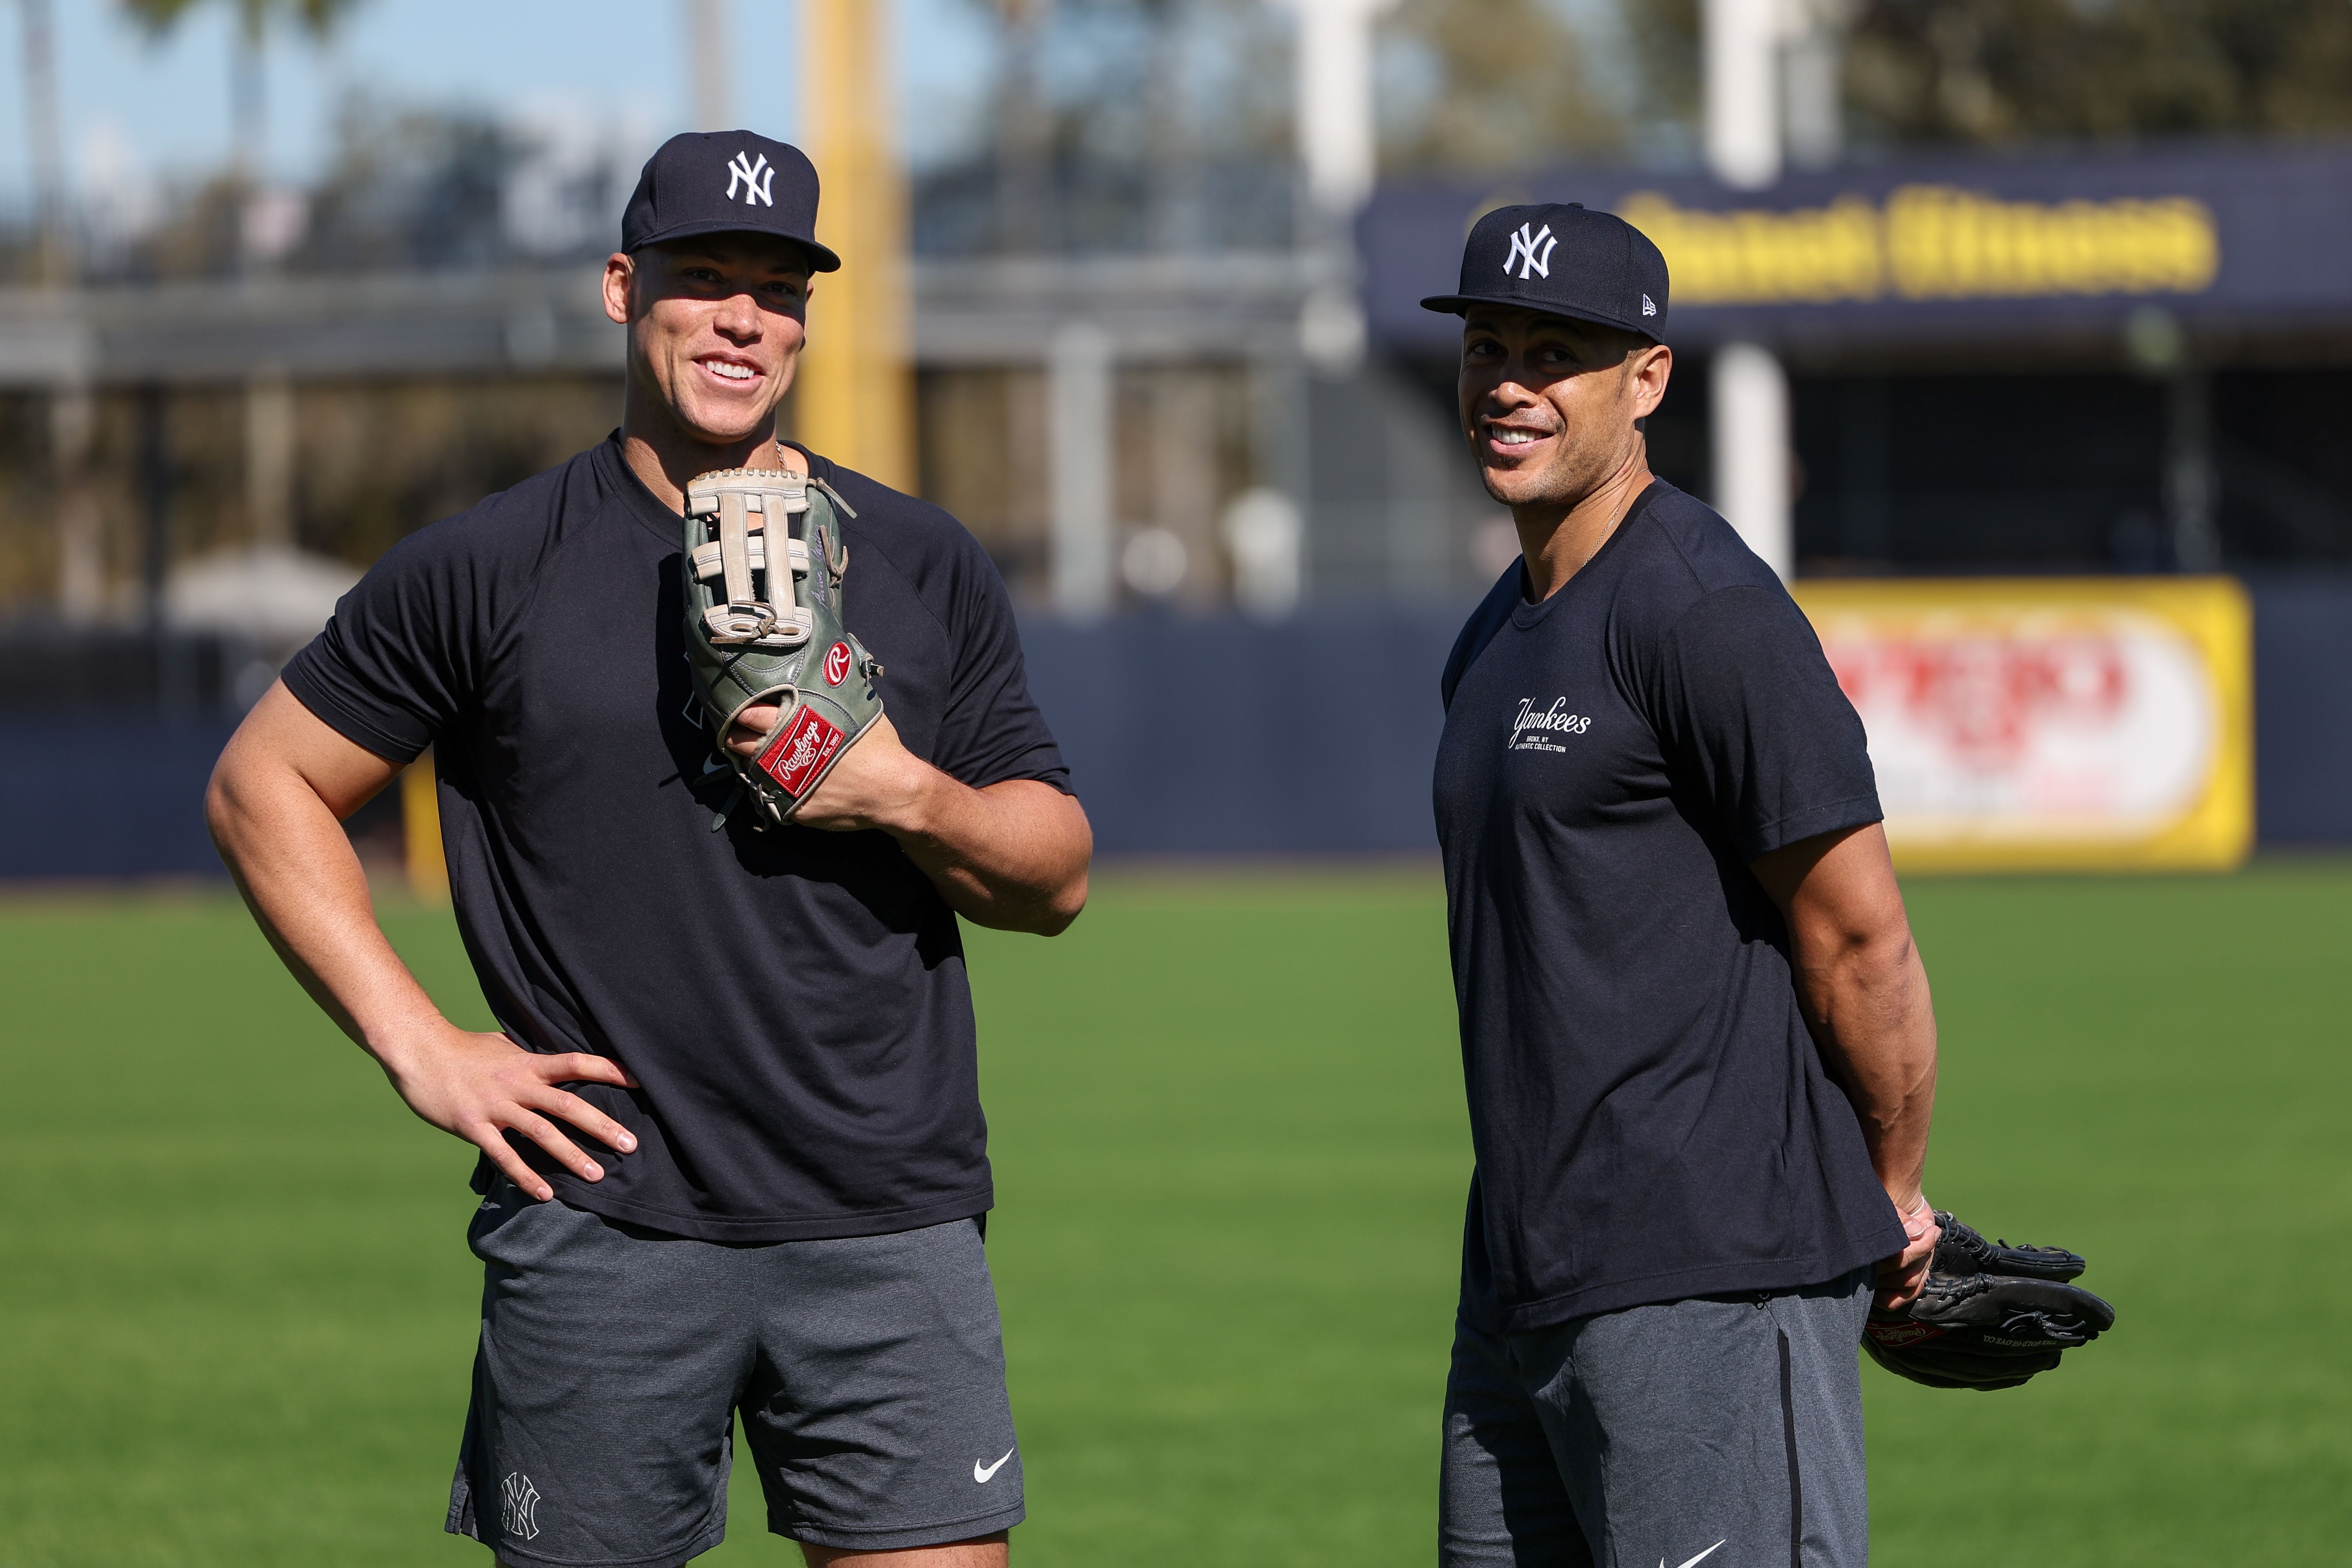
(798, 757)
(836, 664)
(1895, 1336)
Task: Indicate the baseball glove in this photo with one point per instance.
(1992, 1316)
(763, 569)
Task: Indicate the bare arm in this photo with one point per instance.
(276, 803)
(1864, 995)
(1013, 855)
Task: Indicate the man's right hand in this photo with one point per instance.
(478, 1086)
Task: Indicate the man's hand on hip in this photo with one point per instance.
(478, 1086)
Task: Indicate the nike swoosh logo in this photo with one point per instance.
(1688, 1563)
(984, 1474)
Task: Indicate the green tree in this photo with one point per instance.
(254, 20)
(1488, 86)
(1998, 71)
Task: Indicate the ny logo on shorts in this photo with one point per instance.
(518, 1508)
(755, 178)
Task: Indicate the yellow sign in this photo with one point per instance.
(1929, 242)
(2051, 723)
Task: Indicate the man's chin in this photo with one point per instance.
(1517, 487)
(724, 428)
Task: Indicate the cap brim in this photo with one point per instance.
(825, 259)
(1459, 305)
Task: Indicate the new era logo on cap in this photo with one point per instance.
(1563, 260)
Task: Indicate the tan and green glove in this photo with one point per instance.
(763, 569)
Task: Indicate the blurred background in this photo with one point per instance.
(1962, 288)
(2016, 334)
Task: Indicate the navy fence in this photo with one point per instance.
(1308, 736)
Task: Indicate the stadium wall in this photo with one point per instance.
(1307, 736)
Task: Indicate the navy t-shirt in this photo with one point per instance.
(794, 1002)
(1651, 1116)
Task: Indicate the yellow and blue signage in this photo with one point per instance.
(2252, 235)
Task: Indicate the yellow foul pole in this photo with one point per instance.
(855, 400)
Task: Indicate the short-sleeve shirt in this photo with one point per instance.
(793, 1001)
(1651, 1118)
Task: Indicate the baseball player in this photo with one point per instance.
(1697, 1038)
(732, 1155)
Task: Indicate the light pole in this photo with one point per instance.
(1749, 400)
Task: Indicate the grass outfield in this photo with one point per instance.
(236, 1309)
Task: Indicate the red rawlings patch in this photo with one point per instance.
(1897, 1334)
(797, 757)
(836, 664)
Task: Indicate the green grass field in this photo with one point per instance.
(237, 1311)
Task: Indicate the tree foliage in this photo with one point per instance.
(317, 17)
(1488, 85)
(1997, 71)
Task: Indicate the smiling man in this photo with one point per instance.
(732, 1156)
(1697, 1040)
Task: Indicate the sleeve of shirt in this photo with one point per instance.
(1750, 711)
(396, 666)
(992, 730)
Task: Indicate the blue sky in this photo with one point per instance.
(163, 109)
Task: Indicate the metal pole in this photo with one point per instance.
(270, 436)
(1748, 413)
(709, 65)
(1750, 427)
(81, 566)
(44, 140)
(856, 397)
(1739, 55)
(2192, 492)
(155, 494)
(1080, 466)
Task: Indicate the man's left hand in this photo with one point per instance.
(878, 782)
(1902, 1276)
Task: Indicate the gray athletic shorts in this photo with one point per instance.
(1714, 1431)
(869, 1372)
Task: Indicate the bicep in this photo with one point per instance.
(281, 736)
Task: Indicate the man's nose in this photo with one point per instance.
(1510, 394)
(738, 316)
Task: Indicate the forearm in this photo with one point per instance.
(1867, 1001)
(300, 875)
(1013, 857)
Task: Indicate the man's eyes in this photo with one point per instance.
(1551, 356)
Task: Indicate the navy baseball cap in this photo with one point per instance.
(726, 182)
(1564, 261)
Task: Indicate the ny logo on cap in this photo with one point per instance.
(1525, 256)
(755, 178)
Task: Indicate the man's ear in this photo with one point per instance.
(620, 284)
(1649, 367)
